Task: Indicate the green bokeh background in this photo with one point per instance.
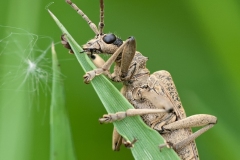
(198, 42)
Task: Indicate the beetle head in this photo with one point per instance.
(105, 43)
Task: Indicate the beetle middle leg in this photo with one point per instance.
(118, 140)
(109, 118)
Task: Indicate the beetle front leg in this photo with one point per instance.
(127, 49)
(123, 70)
(106, 66)
(127, 56)
(65, 43)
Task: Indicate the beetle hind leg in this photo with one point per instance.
(208, 121)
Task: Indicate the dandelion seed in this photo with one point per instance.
(25, 66)
(31, 66)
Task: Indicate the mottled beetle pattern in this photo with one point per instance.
(154, 96)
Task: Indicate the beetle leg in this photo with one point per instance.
(99, 62)
(129, 144)
(109, 118)
(65, 43)
(106, 66)
(208, 121)
(127, 56)
(116, 140)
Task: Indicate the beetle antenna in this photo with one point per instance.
(101, 23)
(84, 16)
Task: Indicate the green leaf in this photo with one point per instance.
(148, 140)
(60, 142)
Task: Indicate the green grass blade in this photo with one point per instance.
(146, 148)
(60, 142)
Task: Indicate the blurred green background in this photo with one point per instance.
(198, 42)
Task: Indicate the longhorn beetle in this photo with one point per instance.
(154, 96)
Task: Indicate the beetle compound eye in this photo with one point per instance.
(109, 38)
